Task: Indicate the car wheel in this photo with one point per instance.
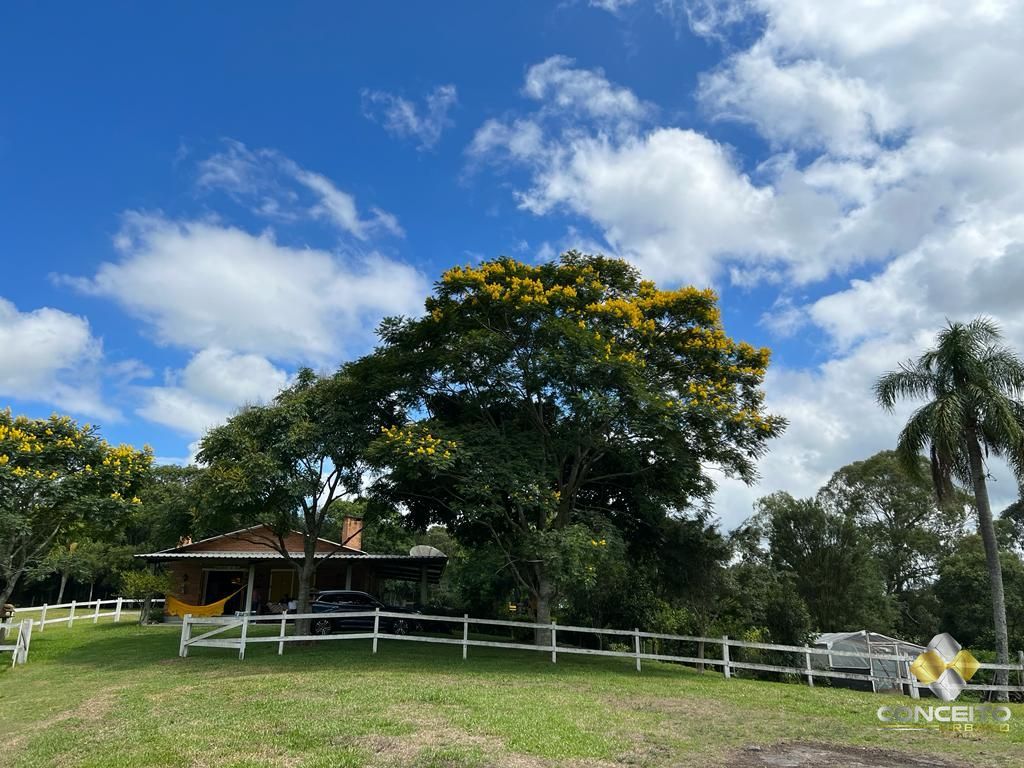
(400, 627)
(322, 627)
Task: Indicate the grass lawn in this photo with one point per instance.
(118, 695)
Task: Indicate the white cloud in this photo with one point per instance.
(198, 284)
(671, 200)
(50, 356)
(279, 188)
(587, 93)
(340, 207)
(401, 117)
(213, 385)
(806, 104)
(612, 6)
(519, 141)
(914, 111)
(895, 135)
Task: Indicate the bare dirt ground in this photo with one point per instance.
(806, 755)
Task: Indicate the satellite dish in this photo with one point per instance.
(422, 550)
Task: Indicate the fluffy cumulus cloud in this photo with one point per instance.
(632, 190)
(249, 305)
(50, 356)
(895, 145)
(405, 119)
(213, 384)
(201, 283)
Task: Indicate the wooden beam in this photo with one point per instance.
(248, 589)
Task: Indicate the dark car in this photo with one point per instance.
(349, 601)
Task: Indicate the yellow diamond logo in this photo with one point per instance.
(945, 667)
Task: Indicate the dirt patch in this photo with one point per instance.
(807, 755)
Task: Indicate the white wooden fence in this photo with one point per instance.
(90, 610)
(214, 630)
(22, 640)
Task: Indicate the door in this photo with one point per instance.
(221, 583)
(282, 585)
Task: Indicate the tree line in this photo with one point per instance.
(561, 425)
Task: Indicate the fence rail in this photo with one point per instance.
(89, 610)
(217, 626)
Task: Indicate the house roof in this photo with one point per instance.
(268, 542)
(236, 547)
(404, 567)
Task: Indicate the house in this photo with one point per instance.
(246, 563)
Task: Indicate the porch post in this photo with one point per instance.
(423, 585)
(248, 590)
(348, 576)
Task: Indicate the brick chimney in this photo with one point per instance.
(352, 532)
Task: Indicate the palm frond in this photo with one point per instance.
(910, 381)
(1004, 369)
(914, 437)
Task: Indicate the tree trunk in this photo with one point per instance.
(63, 586)
(995, 574)
(5, 597)
(543, 595)
(306, 571)
(8, 589)
(147, 606)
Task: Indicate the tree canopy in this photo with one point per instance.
(545, 404)
(55, 476)
(284, 464)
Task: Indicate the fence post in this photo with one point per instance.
(42, 618)
(186, 635)
(71, 616)
(911, 681)
(636, 637)
(554, 643)
(245, 633)
(376, 627)
(725, 657)
(807, 665)
(1020, 672)
(117, 609)
(465, 635)
(24, 640)
(96, 613)
(280, 643)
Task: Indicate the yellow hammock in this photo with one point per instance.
(175, 607)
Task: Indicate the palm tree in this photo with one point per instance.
(973, 385)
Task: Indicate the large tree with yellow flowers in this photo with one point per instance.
(56, 476)
(546, 404)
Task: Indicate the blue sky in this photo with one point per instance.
(199, 198)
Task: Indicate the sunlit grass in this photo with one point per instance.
(118, 695)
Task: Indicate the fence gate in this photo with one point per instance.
(209, 638)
